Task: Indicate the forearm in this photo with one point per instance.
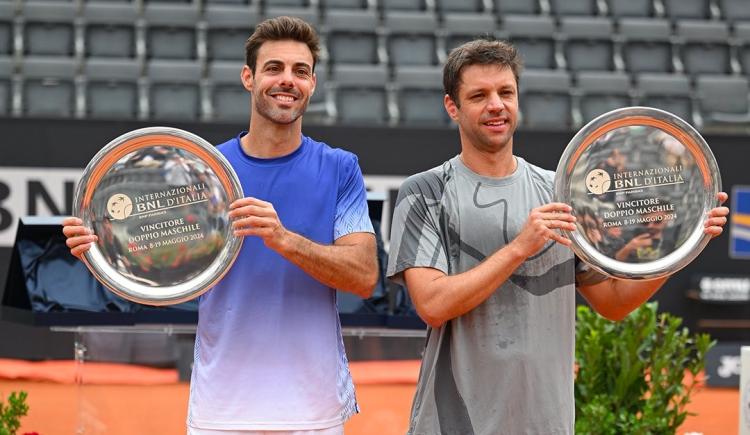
(449, 296)
(616, 298)
(351, 268)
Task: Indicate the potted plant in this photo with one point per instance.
(11, 413)
(631, 375)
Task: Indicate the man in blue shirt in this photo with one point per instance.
(269, 354)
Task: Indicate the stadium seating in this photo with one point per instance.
(670, 92)
(112, 88)
(723, 99)
(646, 45)
(705, 47)
(419, 92)
(381, 60)
(49, 87)
(545, 99)
(411, 38)
(228, 98)
(534, 36)
(226, 30)
(360, 94)
(588, 43)
(6, 86)
(601, 92)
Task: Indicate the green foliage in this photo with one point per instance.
(11, 413)
(630, 373)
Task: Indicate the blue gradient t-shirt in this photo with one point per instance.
(268, 352)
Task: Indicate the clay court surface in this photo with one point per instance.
(125, 400)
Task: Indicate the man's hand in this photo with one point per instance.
(254, 217)
(541, 226)
(637, 242)
(79, 238)
(717, 217)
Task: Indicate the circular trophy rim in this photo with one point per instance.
(98, 168)
(705, 161)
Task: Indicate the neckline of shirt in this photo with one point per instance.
(493, 181)
(260, 161)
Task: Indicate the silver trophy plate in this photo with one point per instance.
(641, 182)
(158, 200)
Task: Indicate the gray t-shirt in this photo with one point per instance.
(505, 367)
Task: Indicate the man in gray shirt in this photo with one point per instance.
(476, 242)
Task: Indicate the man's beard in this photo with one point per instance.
(265, 108)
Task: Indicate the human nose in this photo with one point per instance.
(287, 78)
(495, 103)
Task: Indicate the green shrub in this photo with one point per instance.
(11, 413)
(630, 373)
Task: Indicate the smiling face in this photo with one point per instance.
(487, 107)
(283, 81)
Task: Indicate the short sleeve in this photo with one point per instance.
(415, 229)
(352, 215)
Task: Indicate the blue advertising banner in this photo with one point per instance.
(739, 229)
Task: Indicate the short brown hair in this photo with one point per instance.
(484, 51)
(279, 29)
